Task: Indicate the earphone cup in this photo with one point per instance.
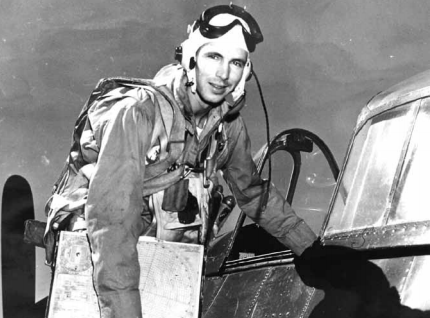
(250, 73)
(192, 63)
(249, 76)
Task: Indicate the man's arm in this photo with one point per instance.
(241, 174)
(115, 202)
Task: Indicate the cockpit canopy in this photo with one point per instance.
(382, 197)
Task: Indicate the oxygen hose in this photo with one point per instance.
(266, 116)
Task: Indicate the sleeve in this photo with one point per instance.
(241, 174)
(115, 203)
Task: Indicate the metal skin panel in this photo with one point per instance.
(272, 292)
(238, 294)
(346, 283)
(283, 295)
(211, 287)
(415, 293)
(218, 252)
(281, 291)
(343, 283)
(395, 270)
(411, 277)
(351, 285)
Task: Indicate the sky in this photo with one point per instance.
(319, 64)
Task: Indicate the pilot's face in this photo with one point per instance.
(218, 71)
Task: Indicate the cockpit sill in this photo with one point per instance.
(398, 235)
(391, 241)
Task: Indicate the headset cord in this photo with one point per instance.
(266, 116)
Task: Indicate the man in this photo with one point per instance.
(154, 150)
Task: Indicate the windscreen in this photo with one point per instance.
(385, 178)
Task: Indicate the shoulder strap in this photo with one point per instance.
(176, 133)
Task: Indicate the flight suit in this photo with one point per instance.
(116, 144)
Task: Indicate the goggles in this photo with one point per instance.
(251, 31)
